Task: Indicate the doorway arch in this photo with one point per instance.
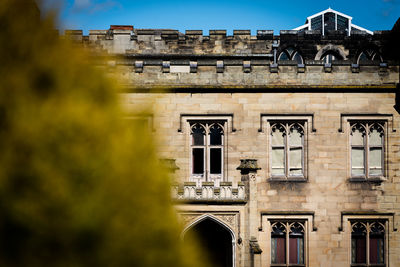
(216, 237)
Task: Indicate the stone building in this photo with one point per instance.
(285, 148)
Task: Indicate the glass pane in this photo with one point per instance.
(316, 23)
(216, 133)
(278, 250)
(296, 172)
(357, 161)
(363, 57)
(357, 138)
(329, 21)
(375, 138)
(376, 57)
(295, 156)
(198, 160)
(216, 160)
(342, 23)
(198, 134)
(296, 250)
(278, 161)
(277, 138)
(376, 250)
(283, 56)
(375, 161)
(328, 58)
(295, 137)
(298, 58)
(358, 249)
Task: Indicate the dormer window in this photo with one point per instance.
(331, 20)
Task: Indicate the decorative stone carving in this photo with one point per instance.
(248, 165)
(230, 219)
(188, 218)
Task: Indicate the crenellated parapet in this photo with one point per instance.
(171, 59)
(127, 40)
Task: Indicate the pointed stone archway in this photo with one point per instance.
(216, 239)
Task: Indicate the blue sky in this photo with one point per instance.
(219, 14)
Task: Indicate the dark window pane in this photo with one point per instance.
(283, 56)
(215, 160)
(329, 21)
(216, 134)
(316, 23)
(296, 250)
(198, 160)
(358, 249)
(297, 57)
(278, 250)
(376, 250)
(362, 58)
(342, 23)
(198, 134)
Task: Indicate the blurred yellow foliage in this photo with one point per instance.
(79, 185)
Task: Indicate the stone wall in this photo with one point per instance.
(171, 76)
(327, 192)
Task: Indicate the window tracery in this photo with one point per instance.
(207, 149)
(287, 149)
(291, 54)
(287, 243)
(368, 56)
(367, 149)
(367, 243)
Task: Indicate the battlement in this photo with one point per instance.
(125, 39)
(168, 57)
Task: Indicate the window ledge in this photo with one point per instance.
(288, 179)
(284, 265)
(367, 180)
(367, 265)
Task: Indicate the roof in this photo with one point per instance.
(351, 26)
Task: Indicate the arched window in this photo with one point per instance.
(367, 149)
(368, 56)
(330, 56)
(290, 54)
(207, 149)
(287, 149)
(368, 238)
(287, 243)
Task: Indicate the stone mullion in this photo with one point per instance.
(366, 164)
(367, 243)
(287, 243)
(287, 150)
(207, 152)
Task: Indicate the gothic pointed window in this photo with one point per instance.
(287, 243)
(207, 149)
(369, 55)
(287, 149)
(367, 243)
(290, 54)
(367, 149)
